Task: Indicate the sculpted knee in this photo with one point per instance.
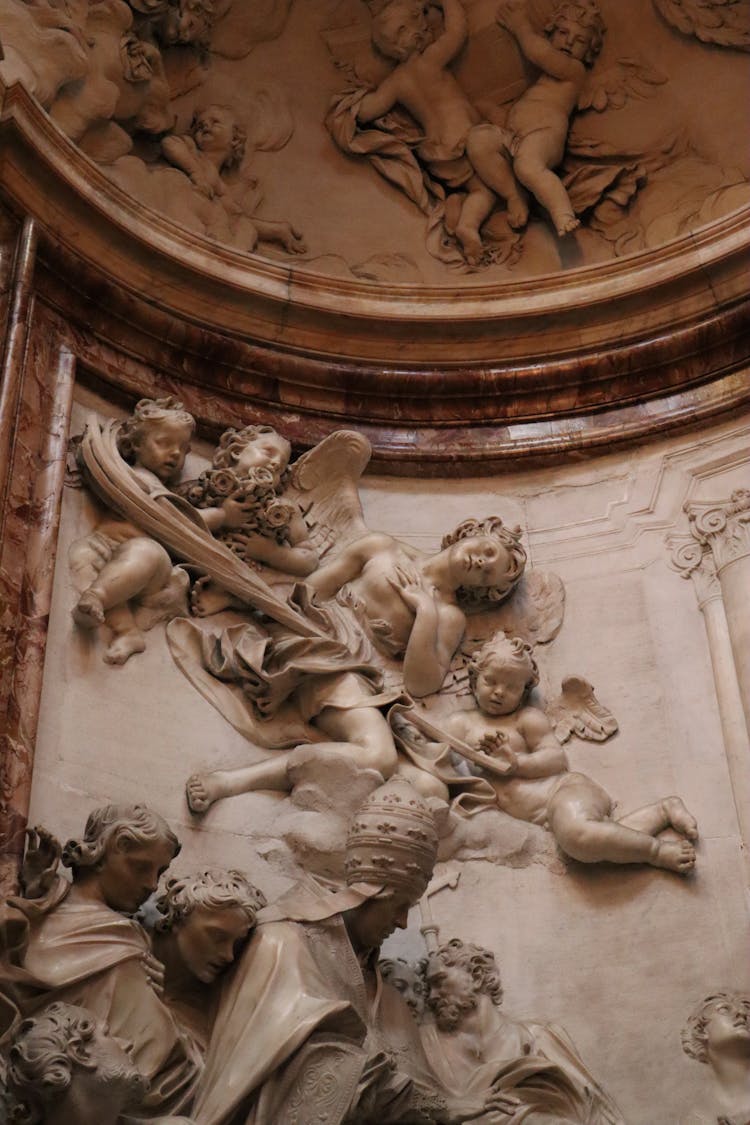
(484, 139)
(380, 757)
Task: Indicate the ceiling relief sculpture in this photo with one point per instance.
(396, 141)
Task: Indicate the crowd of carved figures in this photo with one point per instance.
(485, 152)
(128, 993)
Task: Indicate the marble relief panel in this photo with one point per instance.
(588, 676)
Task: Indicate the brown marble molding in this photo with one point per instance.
(459, 381)
(37, 392)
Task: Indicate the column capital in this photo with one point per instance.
(694, 560)
(723, 527)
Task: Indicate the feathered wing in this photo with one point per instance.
(178, 527)
(324, 485)
(610, 87)
(535, 609)
(577, 711)
(725, 23)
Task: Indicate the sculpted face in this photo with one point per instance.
(728, 1025)
(162, 447)
(190, 22)
(268, 451)
(375, 920)
(136, 61)
(129, 874)
(406, 980)
(451, 991)
(400, 30)
(213, 130)
(479, 560)
(208, 939)
(571, 38)
(114, 1070)
(500, 686)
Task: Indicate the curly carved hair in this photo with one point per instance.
(477, 961)
(232, 442)
(149, 412)
(136, 825)
(238, 143)
(215, 888)
(511, 651)
(485, 597)
(44, 1051)
(694, 1034)
(586, 14)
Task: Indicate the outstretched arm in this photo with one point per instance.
(380, 101)
(455, 29)
(513, 17)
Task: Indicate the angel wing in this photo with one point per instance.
(178, 527)
(723, 22)
(577, 711)
(612, 86)
(240, 25)
(324, 485)
(535, 609)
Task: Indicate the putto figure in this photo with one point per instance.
(536, 784)
(474, 1046)
(214, 146)
(718, 1034)
(538, 122)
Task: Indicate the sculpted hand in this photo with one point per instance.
(236, 512)
(512, 15)
(495, 743)
(154, 971)
(409, 585)
(40, 862)
(496, 1105)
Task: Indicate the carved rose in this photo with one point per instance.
(223, 482)
(278, 513)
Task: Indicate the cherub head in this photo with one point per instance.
(577, 28)
(252, 448)
(215, 129)
(188, 21)
(400, 29)
(126, 849)
(62, 1060)
(501, 674)
(719, 1025)
(407, 978)
(157, 437)
(208, 915)
(486, 560)
(457, 974)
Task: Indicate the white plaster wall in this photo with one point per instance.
(619, 956)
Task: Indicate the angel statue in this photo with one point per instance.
(538, 120)
(385, 607)
(213, 147)
(124, 569)
(517, 762)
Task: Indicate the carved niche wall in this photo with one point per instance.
(249, 501)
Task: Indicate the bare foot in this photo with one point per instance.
(202, 790)
(124, 646)
(566, 223)
(89, 613)
(207, 597)
(679, 817)
(676, 856)
(471, 244)
(518, 212)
